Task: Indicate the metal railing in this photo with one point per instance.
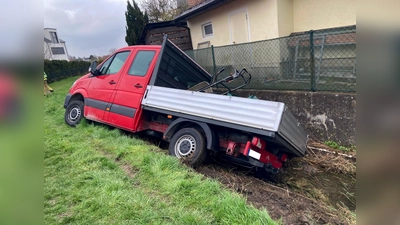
(320, 60)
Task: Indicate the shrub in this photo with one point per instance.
(61, 69)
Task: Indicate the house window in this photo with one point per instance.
(54, 37)
(57, 50)
(207, 30)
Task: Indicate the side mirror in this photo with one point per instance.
(92, 68)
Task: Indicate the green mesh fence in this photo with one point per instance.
(323, 60)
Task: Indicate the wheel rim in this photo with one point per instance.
(185, 146)
(74, 113)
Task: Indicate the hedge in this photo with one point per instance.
(61, 69)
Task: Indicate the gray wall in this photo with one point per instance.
(326, 116)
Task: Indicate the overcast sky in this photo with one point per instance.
(88, 27)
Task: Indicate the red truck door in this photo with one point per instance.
(102, 86)
(125, 109)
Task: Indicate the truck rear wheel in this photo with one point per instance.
(188, 145)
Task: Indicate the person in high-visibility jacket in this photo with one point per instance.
(47, 88)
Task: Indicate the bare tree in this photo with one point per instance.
(163, 10)
(112, 50)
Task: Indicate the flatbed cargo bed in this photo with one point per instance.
(175, 73)
(271, 120)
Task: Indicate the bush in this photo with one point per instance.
(61, 69)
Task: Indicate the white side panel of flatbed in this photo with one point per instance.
(253, 113)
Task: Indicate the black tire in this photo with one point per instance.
(74, 113)
(188, 144)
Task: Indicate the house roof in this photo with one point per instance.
(200, 9)
(150, 26)
(164, 24)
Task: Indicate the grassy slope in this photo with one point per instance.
(85, 184)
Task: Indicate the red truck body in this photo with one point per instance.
(109, 97)
(115, 93)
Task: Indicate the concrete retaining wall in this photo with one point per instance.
(326, 116)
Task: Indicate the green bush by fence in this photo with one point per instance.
(61, 69)
(321, 60)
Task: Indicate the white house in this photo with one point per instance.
(54, 47)
(226, 22)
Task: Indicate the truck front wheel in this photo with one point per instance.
(74, 113)
(188, 145)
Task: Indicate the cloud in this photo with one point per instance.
(88, 27)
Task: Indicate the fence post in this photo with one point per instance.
(312, 61)
(213, 59)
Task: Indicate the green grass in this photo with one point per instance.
(335, 145)
(85, 184)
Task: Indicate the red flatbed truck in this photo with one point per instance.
(162, 91)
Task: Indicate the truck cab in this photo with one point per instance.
(112, 92)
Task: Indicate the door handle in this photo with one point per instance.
(112, 82)
(138, 85)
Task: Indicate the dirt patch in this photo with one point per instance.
(332, 162)
(319, 188)
(52, 202)
(128, 169)
(64, 215)
(331, 181)
(306, 191)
